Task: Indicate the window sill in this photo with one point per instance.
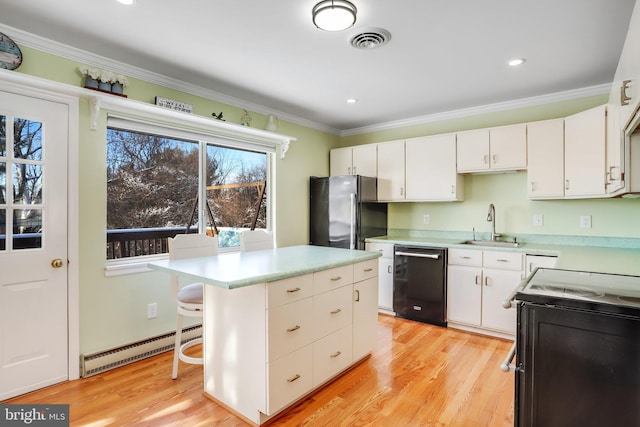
(120, 267)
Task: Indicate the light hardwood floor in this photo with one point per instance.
(418, 375)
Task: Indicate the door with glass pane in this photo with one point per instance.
(33, 243)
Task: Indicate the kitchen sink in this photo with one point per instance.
(496, 243)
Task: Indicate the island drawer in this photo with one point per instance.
(289, 378)
(289, 290)
(290, 327)
(332, 311)
(333, 278)
(331, 355)
(365, 270)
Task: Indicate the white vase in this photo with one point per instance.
(272, 123)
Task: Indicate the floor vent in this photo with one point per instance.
(96, 363)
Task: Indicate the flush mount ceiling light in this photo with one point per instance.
(516, 61)
(127, 2)
(334, 15)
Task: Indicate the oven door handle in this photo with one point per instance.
(509, 302)
(412, 254)
(506, 363)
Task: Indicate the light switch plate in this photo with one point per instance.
(538, 220)
(585, 221)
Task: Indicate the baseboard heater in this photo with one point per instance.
(96, 363)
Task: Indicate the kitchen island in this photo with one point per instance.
(280, 323)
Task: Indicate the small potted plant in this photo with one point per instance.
(91, 76)
(118, 84)
(105, 80)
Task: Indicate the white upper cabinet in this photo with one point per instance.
(358, 160)
(584, 153)
(473, 150)
(496, 149)
(391, 184)
(625, 90)
(545, 152)
(430, 169)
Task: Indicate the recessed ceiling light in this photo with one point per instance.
(516, 61)
(127, 2)
(352, 101)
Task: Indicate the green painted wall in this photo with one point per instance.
(113, 310)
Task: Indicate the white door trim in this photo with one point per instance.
(73, 270)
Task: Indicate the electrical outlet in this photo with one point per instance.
(152, 310)
(426, 219)
(585, 221)
(538, 220)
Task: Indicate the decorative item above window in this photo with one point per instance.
(103, 80)
(10, 54)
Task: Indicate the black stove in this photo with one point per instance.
(602, 292)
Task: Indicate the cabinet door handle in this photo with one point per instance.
(478, 280)
(349, 171)
(335, 279)
(295, 328)
(389, 269)
(624, 98)
(533, 188)
(453, 189)
(357, 295)
(401, 191)
(566, 184)
(294, 378)
(486, 159)
(354, 171)
(290, 291)
(336, 311)
(486, 280)
(494, 158)
(336, 354)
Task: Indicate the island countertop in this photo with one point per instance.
(238, 269)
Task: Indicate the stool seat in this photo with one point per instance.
(191, 294)
(189, 297)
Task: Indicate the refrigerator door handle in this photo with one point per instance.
(352, 234)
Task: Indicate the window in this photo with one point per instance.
(155, 177)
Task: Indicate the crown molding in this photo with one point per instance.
(484, 109)
(59, 49)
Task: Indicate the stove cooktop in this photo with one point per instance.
(575, 287)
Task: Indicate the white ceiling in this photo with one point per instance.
(443, 55)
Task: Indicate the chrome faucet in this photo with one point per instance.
(491, 217)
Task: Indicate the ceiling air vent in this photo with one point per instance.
(370, 38)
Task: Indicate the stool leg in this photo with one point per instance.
(176, 349)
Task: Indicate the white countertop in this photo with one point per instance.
(237, 269)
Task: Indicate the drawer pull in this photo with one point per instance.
(502, 260)
(290, 291)
(335, 279)
(366, 270)
(336, 354)
(297, 377)
(336, 311)
(295, 328)
(465, 257)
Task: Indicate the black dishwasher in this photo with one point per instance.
(420, 284)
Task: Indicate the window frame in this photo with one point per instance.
(204, 137)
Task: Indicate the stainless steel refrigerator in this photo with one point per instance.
(344, 211)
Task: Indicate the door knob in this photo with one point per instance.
(57, 263)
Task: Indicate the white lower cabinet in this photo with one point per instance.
(385, 275)
(478, 282)
(270, 344)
